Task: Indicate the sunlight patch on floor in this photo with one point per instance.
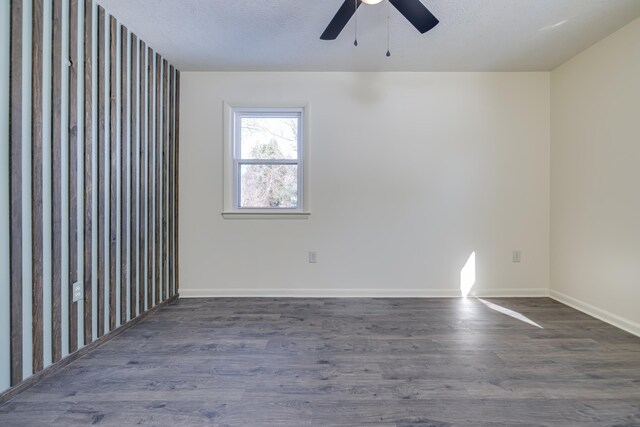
(509, 312)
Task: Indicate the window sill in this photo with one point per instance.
(266, 215)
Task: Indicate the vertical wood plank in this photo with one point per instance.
(158, 175)
(171, 177)
(149, 180)
(124, 213)
(73, 171)
(135, 170)
(88, 169)
(15, 201)
(56, 180)
(165, 186)
(36, 185)
(102, 223)
(143, 177)
(177, 183)
(112, 174)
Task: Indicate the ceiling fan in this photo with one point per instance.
(413, 10)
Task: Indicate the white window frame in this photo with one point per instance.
(233, 161)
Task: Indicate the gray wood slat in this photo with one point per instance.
(73, 171)
(36, 186)
(142, 255)
(177, 185)
(158, 176)
(15, 166)
(113, 141)
(56, 181)
(135, 171)
(165, 164)
(171, 178)
(88, 171)
(124, 172)
(102, 177)
(149, 180)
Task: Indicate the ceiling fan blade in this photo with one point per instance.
(416, 13)
(339, 21)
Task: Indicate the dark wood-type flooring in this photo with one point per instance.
(348, 362)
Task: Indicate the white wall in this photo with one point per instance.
(5, 213)
(409, 174)
(595, 176)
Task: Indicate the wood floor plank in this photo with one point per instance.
(343, 362)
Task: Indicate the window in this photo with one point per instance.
(265, 158)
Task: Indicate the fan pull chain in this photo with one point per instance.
(388, 31)
(355, 15)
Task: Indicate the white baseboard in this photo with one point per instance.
(358, 293)
(511, 293)
(598, 313)
(316, 293)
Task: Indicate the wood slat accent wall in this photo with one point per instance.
(102, 148)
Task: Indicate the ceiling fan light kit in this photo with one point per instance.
(413, 10)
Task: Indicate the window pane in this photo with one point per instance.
(269, 137)
(268, 186)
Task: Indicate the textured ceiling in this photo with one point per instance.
(283, 35)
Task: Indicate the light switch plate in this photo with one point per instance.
(77, 292)
(313, 257)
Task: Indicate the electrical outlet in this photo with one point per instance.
(517, 256)
(313, 257)
(77, 292)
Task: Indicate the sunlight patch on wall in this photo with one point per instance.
(468, 275)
